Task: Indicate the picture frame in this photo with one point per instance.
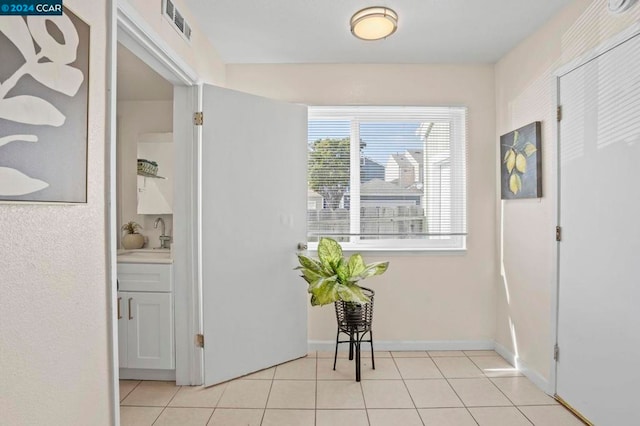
(44, 108)
(521, 163)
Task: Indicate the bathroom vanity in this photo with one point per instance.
(146, 343)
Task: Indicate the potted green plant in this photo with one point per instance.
(132, 239)
(333, 278)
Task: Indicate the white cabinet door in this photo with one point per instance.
(150, 341)
(254, 200)
(145, 316)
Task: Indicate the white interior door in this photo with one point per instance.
(599, 281)
(254, 189)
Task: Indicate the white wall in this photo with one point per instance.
(54, 341)
(423, 297)
(54, 338)
(526, 92)
(135, 118)
(198, 53)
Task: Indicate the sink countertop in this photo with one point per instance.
(145, 256)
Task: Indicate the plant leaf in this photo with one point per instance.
(311, 276)
(324, 293)
(30, 110)
(515, 183)
(16, 30)
(59, 77)
(510, 160)
(376, 268)
(330, 253)
(13, 182)
(320, 282)
(352, 293)
(521, 163)
(529, 149)
(342, 271)
(356, 264)
(516, 135)
(309, 263)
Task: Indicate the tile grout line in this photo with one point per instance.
(211, 416)
(315, 405)
(154, 422)
(166, 405)
(407, 388)
(364, 401)
(497, 387)
(464, 404)
(174, 395)
(525, 416)
(215, 408)
(129, 393)
(264, 410)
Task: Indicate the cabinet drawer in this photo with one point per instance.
(145, 277)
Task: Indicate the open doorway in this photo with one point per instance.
(145, 176)
(144, 112)
(155, 96)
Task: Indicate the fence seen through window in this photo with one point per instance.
(387, 177)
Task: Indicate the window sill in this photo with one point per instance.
(414, 251)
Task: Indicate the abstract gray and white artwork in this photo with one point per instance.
(44, 73)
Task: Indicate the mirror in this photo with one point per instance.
(155, 173)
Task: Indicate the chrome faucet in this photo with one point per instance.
(165, 240)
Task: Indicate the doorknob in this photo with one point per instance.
(302, 246)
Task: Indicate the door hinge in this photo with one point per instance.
(559, 113)
(200, 340)
(556, 352)
(198, 118)
(558, 233)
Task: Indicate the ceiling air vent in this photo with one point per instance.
(177, 20)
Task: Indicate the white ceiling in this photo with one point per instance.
(317, 31)
(137, 81)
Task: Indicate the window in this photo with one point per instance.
(387, 178)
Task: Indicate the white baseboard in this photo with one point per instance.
(536, 378)
(408, 345)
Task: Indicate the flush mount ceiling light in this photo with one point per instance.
(374, 23)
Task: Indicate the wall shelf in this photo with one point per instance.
(150, 175)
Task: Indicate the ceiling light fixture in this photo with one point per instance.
(374, 23)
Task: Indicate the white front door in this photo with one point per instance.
(253, 208)
(599, 267)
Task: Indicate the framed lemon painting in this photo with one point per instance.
(521, 166)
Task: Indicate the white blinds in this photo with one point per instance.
(387, 175)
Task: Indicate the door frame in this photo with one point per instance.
(128, 27)
(605, 46)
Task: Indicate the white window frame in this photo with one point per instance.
(359, 114)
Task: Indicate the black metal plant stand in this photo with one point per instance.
(354, 320)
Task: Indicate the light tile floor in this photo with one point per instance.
(439, 388)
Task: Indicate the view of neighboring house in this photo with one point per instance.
(410, 193)
(370, 169)
(405, 169)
